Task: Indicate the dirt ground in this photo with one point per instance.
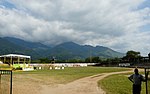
(87, 85)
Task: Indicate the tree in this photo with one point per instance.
(93, 59)
(44, 60)
(132, 56)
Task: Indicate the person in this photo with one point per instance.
(136, 79)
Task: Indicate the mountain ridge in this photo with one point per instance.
(64, 51)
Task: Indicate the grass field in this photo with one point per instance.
(66, 75)
(118, 84)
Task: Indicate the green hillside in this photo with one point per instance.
(64, 51)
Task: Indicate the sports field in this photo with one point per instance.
(119, 84)
(75, 80)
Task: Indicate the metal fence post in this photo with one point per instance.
(146, 77)
(0, 84)
(11, 82)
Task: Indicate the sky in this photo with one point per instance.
(121, 25)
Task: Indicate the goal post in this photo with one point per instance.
(5, 81)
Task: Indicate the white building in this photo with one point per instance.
(16, 61)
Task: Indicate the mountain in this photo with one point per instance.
(68, 50)
(64, 51)
(32, 45)
(76, 51)
(18, 46)
(7, 47)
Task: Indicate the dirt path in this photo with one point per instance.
(87, 85)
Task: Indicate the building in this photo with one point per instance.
(16, 61)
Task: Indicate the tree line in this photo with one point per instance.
(130, 57)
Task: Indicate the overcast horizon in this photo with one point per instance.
(121, 25)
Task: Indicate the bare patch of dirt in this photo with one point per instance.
(87, 85)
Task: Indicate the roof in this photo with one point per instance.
(15, 55)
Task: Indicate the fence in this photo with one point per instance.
(5, 81)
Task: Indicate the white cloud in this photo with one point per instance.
(98, 22)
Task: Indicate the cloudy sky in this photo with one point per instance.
(121, 25)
